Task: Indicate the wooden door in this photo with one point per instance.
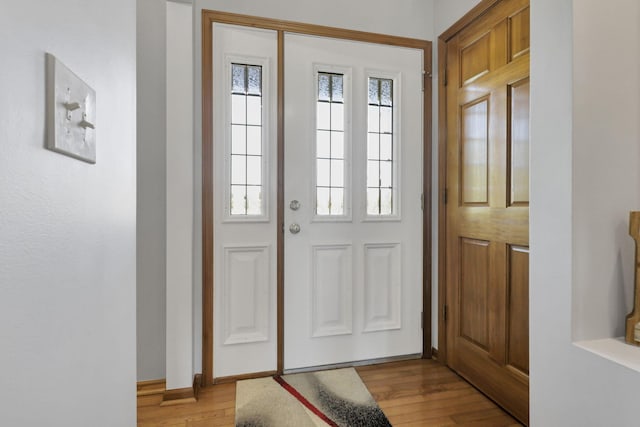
(353, 220)
(487, 209)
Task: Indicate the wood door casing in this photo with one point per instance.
(209, 17)
(487, 211)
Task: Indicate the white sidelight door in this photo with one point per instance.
(244, 184)
(353, 217)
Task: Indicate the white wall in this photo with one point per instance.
(447, 12)
(606, 172)
(179, 194)
(575, 107)
(151, 267)
(67, 228)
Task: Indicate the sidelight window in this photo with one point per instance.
(246, 192)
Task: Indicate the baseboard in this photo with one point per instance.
(179, 396)
(434, 353)
(151, 387)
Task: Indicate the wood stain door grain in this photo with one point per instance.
(487, 208)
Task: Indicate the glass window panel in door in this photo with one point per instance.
(381, 162)
(330, 149)
(245, 158)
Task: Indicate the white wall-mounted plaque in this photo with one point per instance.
(71, 113)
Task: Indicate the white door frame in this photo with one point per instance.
(210, 17)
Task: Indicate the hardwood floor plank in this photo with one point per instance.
(411, 393)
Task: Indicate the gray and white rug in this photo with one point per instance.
(335, 398)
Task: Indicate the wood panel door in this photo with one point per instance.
(487, 210)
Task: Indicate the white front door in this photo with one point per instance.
(353, 218)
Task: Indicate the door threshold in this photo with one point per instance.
(354, 364)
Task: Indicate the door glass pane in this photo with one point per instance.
(337, 145)
(337, 173)
(386, 147)
(337, 201)
(254, 140)
(324, 115)
(322, 201)
(330, 165)
(238, 170)
(385, 174)
(373, 201)
(238, 202)
(336, 88)
(386, 201)
(373, 146)
(374, 119)
(254, 201)
(238, 139)
(386, 124)
(380, 138)
(323, 87)
(373, 174)
(254, 170)
(254, 110)
(323, 144)
(255, 80)
(238, 108)
(238, 78)
(245, 160)
(324, 173)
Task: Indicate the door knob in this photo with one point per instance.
(294, 228)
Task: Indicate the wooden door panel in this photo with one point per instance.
(519, 143)
(518, 318)
(487, 215)
(519, 32)
(474, 291)
(488, 224)
(475, 59)
(474, 144)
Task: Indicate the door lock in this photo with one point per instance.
(294, 228)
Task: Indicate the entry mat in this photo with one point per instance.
(334, 398)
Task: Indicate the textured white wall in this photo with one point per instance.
(151, 242)
(576, 108)
(67, 228)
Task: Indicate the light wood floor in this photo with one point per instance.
(411, 393)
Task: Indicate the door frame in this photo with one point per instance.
(480, 9)
(209, 17)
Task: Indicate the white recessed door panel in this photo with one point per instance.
(353, 218)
